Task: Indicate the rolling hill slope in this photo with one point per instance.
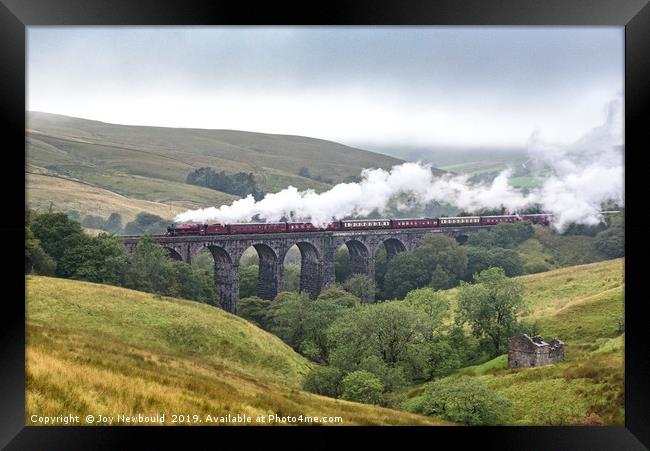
(583, 306)
(98, 349)
(152, 163)
(63, 142)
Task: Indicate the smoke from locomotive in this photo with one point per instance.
(584, 175)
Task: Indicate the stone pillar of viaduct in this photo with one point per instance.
(317, 249)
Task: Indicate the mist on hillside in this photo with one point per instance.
(584, 175)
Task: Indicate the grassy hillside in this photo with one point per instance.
(583, 306)
(97, 349)
(152, 164)
(82, 147)
(64, 194)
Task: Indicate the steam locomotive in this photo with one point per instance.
(351, 224)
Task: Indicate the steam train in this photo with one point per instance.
(351, 224)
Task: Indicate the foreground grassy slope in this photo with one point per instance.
(100, 349)
(584, 306)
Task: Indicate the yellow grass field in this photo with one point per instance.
(101, 350)
(87, 199)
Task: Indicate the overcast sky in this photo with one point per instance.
(364, 86)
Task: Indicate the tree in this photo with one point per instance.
(384, 330)
(146, 223)
(302, 323)
(483, 238)
(56, 233)
(304, 172)
(362, 386)
(361, 286)
(509, 235)
(405, 273)
(410, 270)
(490, 306)
(610, 243)
(150, 269)
(437, 249)
(195, 284)
(505, 235)
(291, 277)
(93, 222)
(440, 279)
(381, 266)
(36, 260)
(241, 183)
(392, 378)
(342, 265)
(339, 296)
(464, 400)
(114, 223)
(324, 380)
(100, 259)
(248, 276)
(433, 303)
(255, 310)
(480, 259)
(74, 215)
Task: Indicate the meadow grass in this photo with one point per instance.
(171, 153)
(43, 191)
(583, 306)
(102, 350)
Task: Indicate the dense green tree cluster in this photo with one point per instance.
(504, 235)
(56, 245)
(100, 259)
(255, 310)
(362, 386)
(241, 184)
(324, 380)
(36, 259)
(146, 223)
(361, 286)
(56, 233)
(481, 258)
(411, 270)
(491, 306)
(610, 243)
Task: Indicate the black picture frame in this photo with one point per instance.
(16, 15)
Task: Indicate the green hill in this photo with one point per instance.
(583, 306)
(97, 349)
(152, 163)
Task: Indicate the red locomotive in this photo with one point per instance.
(351, 224)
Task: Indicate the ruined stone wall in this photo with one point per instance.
(527, 352)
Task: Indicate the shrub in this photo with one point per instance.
(339, 296)
(535, 266)
(464, 400)
(362, 386)
(324, 380)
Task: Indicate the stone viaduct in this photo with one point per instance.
(317, 250)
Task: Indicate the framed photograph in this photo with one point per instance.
(365, 215)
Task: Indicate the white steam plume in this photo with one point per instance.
(584, 175)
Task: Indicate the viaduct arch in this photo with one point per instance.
(317, 251)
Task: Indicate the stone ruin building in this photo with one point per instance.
(526, 352)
